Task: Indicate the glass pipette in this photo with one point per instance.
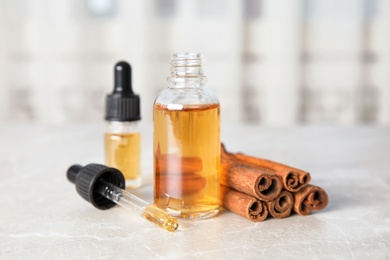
(103, 187)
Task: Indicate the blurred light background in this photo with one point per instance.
(271, 62)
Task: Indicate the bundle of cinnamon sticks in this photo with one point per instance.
(256, 188)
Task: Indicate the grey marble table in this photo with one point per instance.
(42, 216)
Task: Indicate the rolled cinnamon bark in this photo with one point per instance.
(310, 198)
(281, 206)
(243, 204)
(293, 179)
(173, 164)
(179, 185)
(262, 184)
(178, 176)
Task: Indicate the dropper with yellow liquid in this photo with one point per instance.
(103, 187)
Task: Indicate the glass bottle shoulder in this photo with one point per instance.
(186, 96)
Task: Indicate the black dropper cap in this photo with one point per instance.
(86, 181)
(122, 104)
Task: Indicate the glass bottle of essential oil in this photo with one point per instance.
(122, 138)
(187, 142)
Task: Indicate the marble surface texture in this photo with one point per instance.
(42, 216)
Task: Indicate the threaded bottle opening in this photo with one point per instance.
(187, 59)
(186, 67)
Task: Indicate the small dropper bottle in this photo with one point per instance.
(122, 138)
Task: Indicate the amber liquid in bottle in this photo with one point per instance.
(187, 160)
(123, 152)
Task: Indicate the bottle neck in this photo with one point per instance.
(186, 71)
(118, 127)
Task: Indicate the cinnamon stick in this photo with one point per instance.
(310, 198)
(281, 206)
(293, 179)
(179, 185)
(262, 184)
(173, 164)
(178, 176)
(243, 204)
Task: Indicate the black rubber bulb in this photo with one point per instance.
(122, 82)
(72, 172)
(122, 104)
(86, 179)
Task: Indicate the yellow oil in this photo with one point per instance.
(160, 218)
(123, 151)
(187, 160)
